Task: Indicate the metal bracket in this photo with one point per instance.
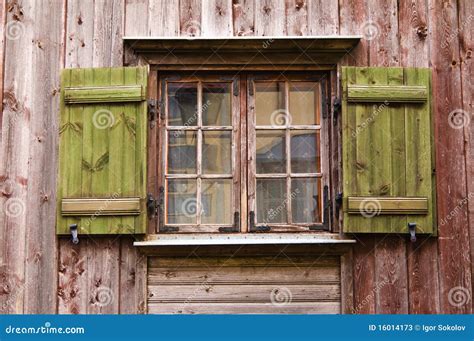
(336, 110)
(254, 228)
(73, 229)
(169, 229)
(412, 230)
(152, 111)
(235, 227)
(151, 205)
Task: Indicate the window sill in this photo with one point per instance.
(242, 239)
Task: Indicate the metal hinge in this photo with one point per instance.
(336, 110)
(152, 111)
(233, 228)
(326, 207)
(253, 227)
(169, 229)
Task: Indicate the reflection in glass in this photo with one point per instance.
(216, 104)
(272, 202)
(182, 152)
(304, 103)
(182, 104)
(306, 200)
(270, 103)
(182, 202)
(216, 201)
(270, 151)
(305, 156)
(216, 152)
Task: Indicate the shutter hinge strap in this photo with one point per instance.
(152, 111)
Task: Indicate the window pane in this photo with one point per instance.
(305, 151)
(216, 104)
(216, 152)
(182, 152)
(270, 103)
(182, 203)
(303, 103)
(216, 201)
(270, 146)
(271, 201)
(306, 200)
(182, 104)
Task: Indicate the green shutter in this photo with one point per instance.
(102, 168)
(388, 154)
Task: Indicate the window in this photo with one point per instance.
(254, 143)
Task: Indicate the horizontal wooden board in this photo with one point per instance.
(205, 292)
(245, 308)
(244, 275)
(100, 207)
(104, 94)
(387, 205)
(301, 262)
(389, 93)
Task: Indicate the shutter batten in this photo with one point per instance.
(388, 159)
(102, 171)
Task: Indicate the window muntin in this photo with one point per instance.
(285, 146)
(200, 179)
(286, 176)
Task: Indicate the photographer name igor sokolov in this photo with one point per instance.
(443, 328)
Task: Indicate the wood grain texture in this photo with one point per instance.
(270, 18)
(243, 17)
(453, 242)
(296, 13)
(190, 18)
(323, 17)
(216, 18)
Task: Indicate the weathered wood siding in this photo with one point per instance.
(39, 273)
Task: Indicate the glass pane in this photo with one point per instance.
(182, 202)
(182, 152)
(271, 201)
(182, 104)
(216, 104)
(216, 152)
(270, 151)
(305, 151)
(270, 104)
(216, 201)
(304, 106)
(306, 200)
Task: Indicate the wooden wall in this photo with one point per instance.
(39, 273)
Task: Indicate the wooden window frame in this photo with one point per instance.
(241, 174)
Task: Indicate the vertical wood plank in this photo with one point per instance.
(422, 264)
(217, 18)
(136, 18)
(3, 15)
(296, 12)
(243, 17)
(453, 241)
(163, 18)
(323, 17)
(353, 15)
(190, 18)
(41, 242)
(15, 151)
(270, 18)
(466, 42)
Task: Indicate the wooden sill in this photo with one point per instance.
(242, 239)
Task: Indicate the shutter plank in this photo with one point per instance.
(392, 93)
(420, 180)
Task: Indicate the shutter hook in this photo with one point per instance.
(73, 229)
(412, 230)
